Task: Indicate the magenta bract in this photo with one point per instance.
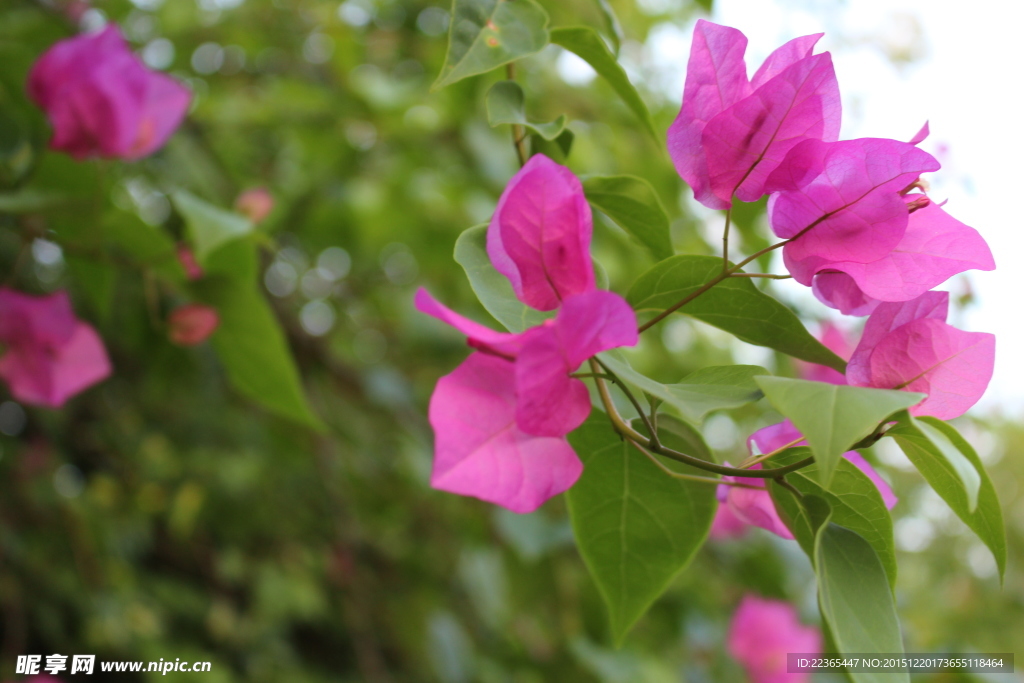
(909, 346)
(763, 632)
(532, 395)
(539, 237)
(841, 201)
(731, 133)
(478, 449)
(934, 247)
(102, 100)
(191, 324)
(51, 355)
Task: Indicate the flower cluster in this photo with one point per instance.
(102, 100)
(500, 418)
(858, 228)
(855, 229)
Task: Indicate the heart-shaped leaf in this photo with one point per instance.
(634, 206)
(506, 104)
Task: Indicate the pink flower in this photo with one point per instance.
(514, 398)
(102, 100)
(934, 247)
(187, 259)
(191, 324)
(539, 237)
(480, 451)
(255, 204)
(909, 346)
(50, 354)
(763, 632)
(842, 201)
(731, 133)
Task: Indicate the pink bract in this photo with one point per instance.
(255, 204)
(934, 247)
(550, 402)
(763, 632)
(504, 344)
(539, 237)
(50, 354)
(841, 201)
(731, 133)
(840, 291)
(909, 346)
(480, 451)
(102, 100)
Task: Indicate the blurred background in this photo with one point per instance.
(162, 515)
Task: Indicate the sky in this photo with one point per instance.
(961, 77)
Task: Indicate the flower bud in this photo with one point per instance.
(191, 324)
(187, 259)
(255, 204)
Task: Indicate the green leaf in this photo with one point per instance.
(918, 434)
(684, 438)
(853, 594)
(96, 281)
(634, 206)
(734, 305)
(491, 287)
(635, 526)
(209, 226)
(557, 149)
(833, 417)
(506, 104)
(986, 519)
(584, 42)
(484, 34)
(712, 388)
(611, 24)
(253, 349)
(854, 499)
(29, 200)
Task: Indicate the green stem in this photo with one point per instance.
(725, 240)
(518, 132)
(768, 276)
(632, 399)
(691, 477)
(627, 432)
(731, 272)
(781, 481)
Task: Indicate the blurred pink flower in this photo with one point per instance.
(909, 346)
(539, 237)
(191, 324)
(102, 100)
(763, 632)
(731, 133)
(255, 204)
(187, 259)
(50, 354)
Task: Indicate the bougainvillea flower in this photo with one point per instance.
(726, 524)
(909, 346)
(763, 632)
(752, 506)
(841, 201)
(840, 291)
(51, 355)
(102, 100)
(255, 204)
(480, 451)
(539, 237)
(551, 403)
(934, 247)
(836, 341)
(191, 324)
(731, 133)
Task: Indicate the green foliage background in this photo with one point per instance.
(165, 514)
